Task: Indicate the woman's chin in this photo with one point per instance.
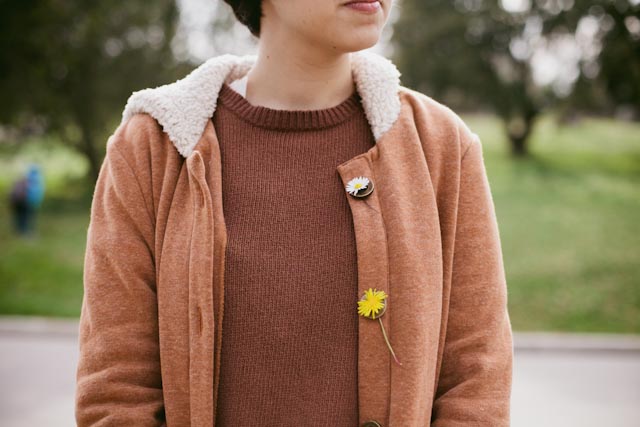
(359, 40)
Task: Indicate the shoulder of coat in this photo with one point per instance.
(438, 117)
(143, 143)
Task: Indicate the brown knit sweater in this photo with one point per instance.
(290, 324)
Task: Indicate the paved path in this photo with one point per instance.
(560, 380)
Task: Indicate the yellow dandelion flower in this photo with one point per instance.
(372, 305)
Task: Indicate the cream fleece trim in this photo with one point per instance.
(183, 107)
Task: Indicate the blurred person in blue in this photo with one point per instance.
(25, 198)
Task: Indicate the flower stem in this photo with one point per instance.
(387, 341)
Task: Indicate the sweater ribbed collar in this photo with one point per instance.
(271, 118)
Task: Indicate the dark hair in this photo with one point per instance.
(248, 12)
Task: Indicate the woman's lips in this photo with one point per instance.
(366, 6)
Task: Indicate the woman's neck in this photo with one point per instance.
(286, 79)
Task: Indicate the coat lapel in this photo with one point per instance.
(201, 316)
(211, 149)
(399, 241)
(206, 275)
(374, 359)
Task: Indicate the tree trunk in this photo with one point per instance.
(518, 130)
(89, 150)
(519, 146)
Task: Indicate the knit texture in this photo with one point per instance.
(290, 327)
(150, 331)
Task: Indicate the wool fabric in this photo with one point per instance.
(290, 325)
(150, 331)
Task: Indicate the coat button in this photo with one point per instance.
(371, 423)
(360, 186)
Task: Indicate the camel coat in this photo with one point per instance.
(150, 329)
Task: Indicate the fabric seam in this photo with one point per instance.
(135, 176)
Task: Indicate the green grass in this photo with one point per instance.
(568, 218)
(42, 275)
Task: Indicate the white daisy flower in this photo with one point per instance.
(357, 184)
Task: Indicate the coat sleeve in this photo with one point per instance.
(474, 384)
(118, 379)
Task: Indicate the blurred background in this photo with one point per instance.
(551, 86)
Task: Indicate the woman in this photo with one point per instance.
(294, 238)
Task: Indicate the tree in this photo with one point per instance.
(471, 53)
(70, 65)
(610, 78)
(485, 53)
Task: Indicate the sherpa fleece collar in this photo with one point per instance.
(183, 107)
